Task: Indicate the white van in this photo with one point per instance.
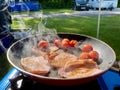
(105, 4)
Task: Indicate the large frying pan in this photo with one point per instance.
(17, 51)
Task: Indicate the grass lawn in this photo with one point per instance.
(45, 11)
(53, 11)
(109, 30)
(109, 27)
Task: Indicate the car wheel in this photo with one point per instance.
(76, 8)
(87, 8)
(111, 8)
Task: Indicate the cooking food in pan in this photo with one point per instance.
(58, 57)
(68, 59)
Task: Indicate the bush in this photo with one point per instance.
(47, 4)
(118, 3)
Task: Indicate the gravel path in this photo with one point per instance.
(87, 13)
(75, 13)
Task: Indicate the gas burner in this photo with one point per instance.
(21, 82)
(108, 81)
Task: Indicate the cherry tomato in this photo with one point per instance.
(87, 48)
(65, 40)
(57, 42)
(43, 44)
(94, 55)
(84, 55)
(73, 43)
(65, 45)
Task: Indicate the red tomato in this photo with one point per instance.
(84, 55)
(57, 42)
(94, 55)
(65, 45)
(87, 48)
(73, 43)
(43, 44)
(66, 40)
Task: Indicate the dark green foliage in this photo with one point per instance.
(47, 4)
(118, 3)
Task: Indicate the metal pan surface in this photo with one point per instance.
(106, 58)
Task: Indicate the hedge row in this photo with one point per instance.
(56, 3)
(118, 3)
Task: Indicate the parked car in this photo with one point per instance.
(105, 4)
(81, 5)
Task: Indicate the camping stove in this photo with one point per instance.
(14, 80)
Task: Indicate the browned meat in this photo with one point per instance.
(79, 68)
(38, 52)
(51, 56)
(61, 58)
(53, 48)
(36, 65)
(43, 52)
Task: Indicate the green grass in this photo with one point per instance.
(109, 27)
(45, 11)
(54, 11)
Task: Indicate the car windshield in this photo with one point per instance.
(81, 1)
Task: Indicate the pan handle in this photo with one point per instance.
(116, 66)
